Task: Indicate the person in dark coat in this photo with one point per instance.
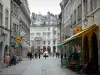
(58, 55)
(30, 55)
(45, 56)
(35, 55)
(13, 60)
(39, 55)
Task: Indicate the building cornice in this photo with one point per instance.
(18, 2)
(25, 13)
(24, 25)
(5, 28)
(45, 26)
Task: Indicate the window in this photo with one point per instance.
(38, 34)
(12, 5)
(85, 6)
(33, 34)
(44, 42)
(17, 28)
(54, 31)
(79, 12)
(48, 29)
(49, 34)
(1, 14)
(93, 5)
(58, 34)
(48, 42)
(14, 29)
(15, 8)
(75, 17)
(71, 20)
(54, 42)
(6, 18)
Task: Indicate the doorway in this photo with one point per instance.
(49, 49)
(94, 48)
(86, 49)
(54, 49)
(1, 44)
(6, 50)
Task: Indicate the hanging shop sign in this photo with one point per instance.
(77, 29)
(18, 39)
(22, 33)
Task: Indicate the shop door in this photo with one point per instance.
(86, 49)
(94, 48)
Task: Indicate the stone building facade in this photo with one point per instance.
(4, 28)
(25, 22)
(82, 17)
(20, 27)
(45, 32)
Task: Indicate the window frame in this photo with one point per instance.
(1, 15)
(80, 12)
(6, 18)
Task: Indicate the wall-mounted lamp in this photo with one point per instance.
(85, 21)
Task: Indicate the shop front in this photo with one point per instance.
(83, 43)
(86, 44)
(90, 45)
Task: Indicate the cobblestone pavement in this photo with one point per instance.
(17, 69)
(49, 66)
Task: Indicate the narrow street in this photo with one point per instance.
(49, 66)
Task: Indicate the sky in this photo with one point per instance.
(43, 6)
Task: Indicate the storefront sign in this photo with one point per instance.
(18, 39)
(77, 29)
(22, 33)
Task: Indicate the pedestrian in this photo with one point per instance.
(53, 54)
(30, 55)
(45, 55)
(56, 54)
(35, 55)
(7, 60)
(13, 60)
(65, 55)
(61, 57)
(39, 55)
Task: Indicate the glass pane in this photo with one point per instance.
(1, 19)
(1, 8)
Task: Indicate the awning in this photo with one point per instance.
(81, 33)
(60, 45)
(78, 34)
